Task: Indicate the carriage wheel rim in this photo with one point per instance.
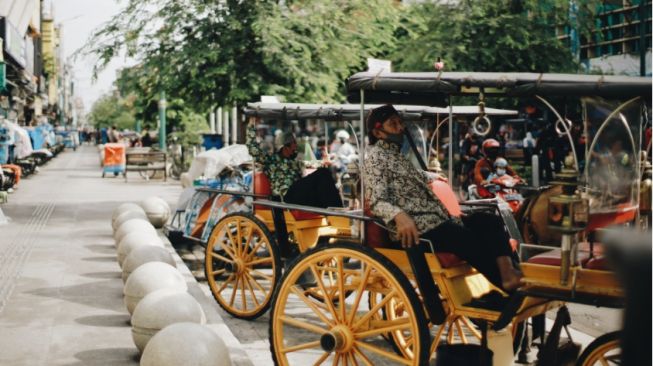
(342, 331)
(246, 289)
(600, 357)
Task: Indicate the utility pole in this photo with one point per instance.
(162, 121)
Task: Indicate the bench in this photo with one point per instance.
(146, 162)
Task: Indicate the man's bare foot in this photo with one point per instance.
(512, 280)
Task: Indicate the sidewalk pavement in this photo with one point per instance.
(61, 297)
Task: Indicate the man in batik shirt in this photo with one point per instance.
(285, 173)
(399, 194)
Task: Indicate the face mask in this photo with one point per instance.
(501, 171)
(394, 138)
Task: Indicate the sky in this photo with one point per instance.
(79, 19)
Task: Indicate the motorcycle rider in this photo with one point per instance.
(485, 167)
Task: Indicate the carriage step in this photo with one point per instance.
(492, 300)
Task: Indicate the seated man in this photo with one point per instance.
(398, 193)
(285, 173)
(485, 167)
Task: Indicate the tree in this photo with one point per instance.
(217, 53)
(502, 36)
(112, 110)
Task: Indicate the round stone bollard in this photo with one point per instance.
(134, 240)
(128, 215)
(157, 211)
(124, 207)
(148, 278)
(132, 226)
(186, 344)
(145, 254)
(161, 308)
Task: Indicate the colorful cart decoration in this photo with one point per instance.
(114, 159)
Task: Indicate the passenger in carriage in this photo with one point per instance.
(399, 194)
(285, 173)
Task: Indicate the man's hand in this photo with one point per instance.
(407, 230)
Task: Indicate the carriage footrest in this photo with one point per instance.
(492, 300)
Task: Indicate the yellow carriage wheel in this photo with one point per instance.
(242, 265)
(330, 282)
(307, 331)
(604, 350)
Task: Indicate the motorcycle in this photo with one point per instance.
(503, 187)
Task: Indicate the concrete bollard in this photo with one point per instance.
(161, 308)
(134, 240)
(131, 226)
(124, 207)
(145, 254)
(186, 344)
(128, 215)
(157, 211)
(148, 278)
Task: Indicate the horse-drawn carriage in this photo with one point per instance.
(354, 297)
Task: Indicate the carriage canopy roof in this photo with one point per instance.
(431, 88)
(300, 111)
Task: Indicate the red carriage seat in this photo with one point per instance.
(263, 186)
(378, 237)
(596, 262)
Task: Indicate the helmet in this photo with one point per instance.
(500, 163)
(342, 135)
(491, 148)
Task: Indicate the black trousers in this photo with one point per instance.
(317, 189)
(479, 241)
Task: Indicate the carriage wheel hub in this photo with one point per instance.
(339, 339)
(238, 266)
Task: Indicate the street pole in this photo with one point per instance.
(162, 121)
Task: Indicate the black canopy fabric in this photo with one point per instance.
(432, 88)
(347, 112)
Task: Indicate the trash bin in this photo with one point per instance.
(462, 355)
(212, 141)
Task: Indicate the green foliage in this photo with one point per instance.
(502, 36)
(112, 110)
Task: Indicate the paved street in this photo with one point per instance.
(61, 297)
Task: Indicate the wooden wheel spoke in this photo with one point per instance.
(221, 257)
(251, 253)
(218, 272)
(258, 285)
(312, 305)
(300, 347)
(233, 292)
(242, 292)
(262, 275)
(341, 288)
(251, 291)
(459, 328)
(260, 261)
(381, 352)
(226, 282)
(322, 358)
(471, 328)
(327, 299)
(250, 234)
(353, 359)
(303, 325)
(374, 309)
(359, 294)
(393, 326)
(336, 360)
(240, 237)
(227, 248)
(363, 357)
(232, 240)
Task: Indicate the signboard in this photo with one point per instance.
(376, 65)
(14, 44)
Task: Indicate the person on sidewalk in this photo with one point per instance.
(399, 194)
(317, 189)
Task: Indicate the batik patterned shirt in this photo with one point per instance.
(394, 185)
(282, 172)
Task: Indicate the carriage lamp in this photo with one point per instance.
(569, 214)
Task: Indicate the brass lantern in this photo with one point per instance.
(569, 214)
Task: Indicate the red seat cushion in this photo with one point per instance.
(598, 263)
(447, 196)
(263, 187)
(449, 259)
(552, 258)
